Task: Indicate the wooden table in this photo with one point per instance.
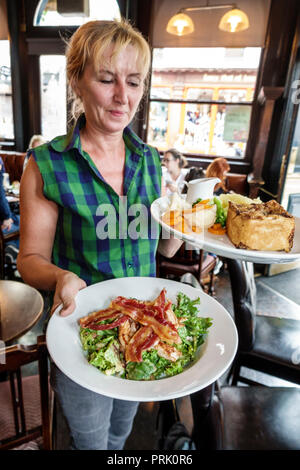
(21, 306)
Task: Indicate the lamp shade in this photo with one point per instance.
(180, 25)
(233, 21)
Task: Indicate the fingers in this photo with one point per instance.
(66, 291)
(68, 308)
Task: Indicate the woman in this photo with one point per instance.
(174, 173)
(219, 168)
(66, 180)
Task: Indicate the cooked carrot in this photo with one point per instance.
(205, 201)
(217, 229)
(171, 217)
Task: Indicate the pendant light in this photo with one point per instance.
(233, 21)
(180, 25)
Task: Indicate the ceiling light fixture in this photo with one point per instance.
(233, 21)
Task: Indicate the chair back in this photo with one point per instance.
(244, 301)
(12, 358)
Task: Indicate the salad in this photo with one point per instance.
(210, 214)
(147, 340)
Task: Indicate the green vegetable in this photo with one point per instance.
(140, 370)
(103, 347)
(196, 202)
(221, 215)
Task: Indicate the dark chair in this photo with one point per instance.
(26, 402)
(196, 262)
(237, 183)
(4, 240)
(247, 418)
(267, 344)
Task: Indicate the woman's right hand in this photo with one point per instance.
(67, 286)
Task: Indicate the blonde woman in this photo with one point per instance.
(65, 181)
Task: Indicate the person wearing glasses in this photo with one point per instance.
(174, 171)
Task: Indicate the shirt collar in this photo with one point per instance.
(72, 139)
(64, 143)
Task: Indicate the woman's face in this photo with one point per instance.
(111, 93)
(170, 162)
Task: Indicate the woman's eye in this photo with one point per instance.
(105, 81)
(134, 84)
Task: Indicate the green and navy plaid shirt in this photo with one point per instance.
(73, 182)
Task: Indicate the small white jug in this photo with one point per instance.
(201, 188)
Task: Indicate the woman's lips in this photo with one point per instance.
(116, 113)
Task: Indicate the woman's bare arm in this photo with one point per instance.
(38, 219)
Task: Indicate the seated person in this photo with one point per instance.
(218, 168)
(9, 222)
(174, 171)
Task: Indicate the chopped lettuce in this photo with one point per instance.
(221, 214)
(103, 350)
(103, 347)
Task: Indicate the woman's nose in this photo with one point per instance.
(120, 93)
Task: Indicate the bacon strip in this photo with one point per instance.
(148, 315)
(144, 339)
(99, 316)
(126, 332)
(108, 326)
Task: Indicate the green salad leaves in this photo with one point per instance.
(103, 347)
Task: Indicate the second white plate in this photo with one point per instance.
(222, 246)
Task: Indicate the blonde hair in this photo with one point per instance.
(34, 139)
(91, 41)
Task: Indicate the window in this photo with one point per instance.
(6, 105)
(53, 95)
(201, 99)
(48, 12)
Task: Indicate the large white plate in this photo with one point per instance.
(215, 357)
(222, 246)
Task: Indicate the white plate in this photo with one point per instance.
(222, 246)
(216, 356)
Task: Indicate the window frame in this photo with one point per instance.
(242, 163)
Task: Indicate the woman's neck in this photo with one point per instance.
(100, 143)
(175, 174)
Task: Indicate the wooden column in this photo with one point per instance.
(267, 98)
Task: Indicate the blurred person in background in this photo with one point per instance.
(218, 168)
(34, 142)
(174, 171)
